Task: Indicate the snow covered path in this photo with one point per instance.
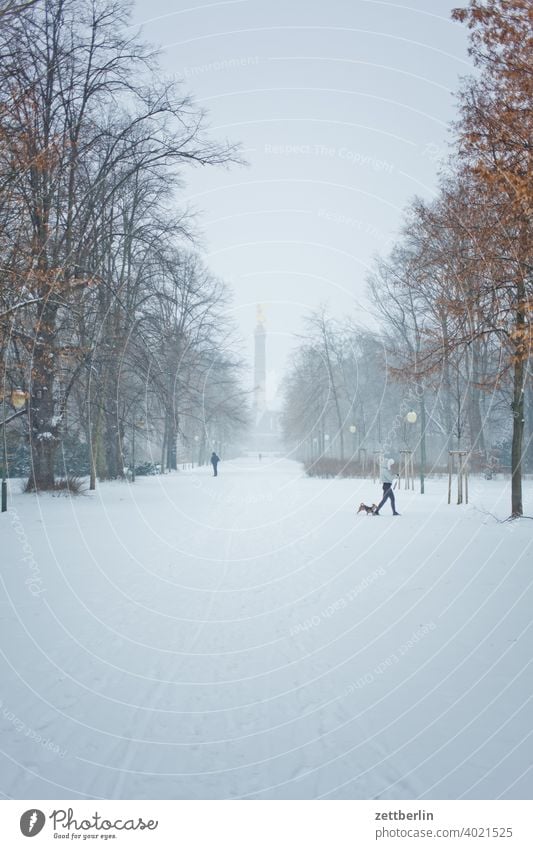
(249, 636)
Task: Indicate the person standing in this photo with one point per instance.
(388, 493)
(215, 460)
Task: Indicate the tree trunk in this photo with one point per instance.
(164, 445)
(528, 453)
(447, 383)
(92, 441)
(97, 454)
(43, 460)
(520, 360)
(171, 438)
(423, 426)
(518, 437)
(477, 436)
(112, 425)
(42, 425)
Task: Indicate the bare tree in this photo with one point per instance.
(75, 171)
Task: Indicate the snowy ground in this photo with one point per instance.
(250, 636)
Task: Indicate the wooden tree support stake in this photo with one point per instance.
(406, 469)
(377, 461)
(458, 464)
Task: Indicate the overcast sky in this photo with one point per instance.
(342, 108)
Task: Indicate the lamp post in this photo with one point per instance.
(411, 417)
(18, 400)
(407, 454)
(353, 430)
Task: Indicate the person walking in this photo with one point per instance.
(388, 493)
(215, 460)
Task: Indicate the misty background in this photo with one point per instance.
(343, 112)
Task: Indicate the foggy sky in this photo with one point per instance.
(342, 109)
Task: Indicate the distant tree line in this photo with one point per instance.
(109, 318)
(454, 297)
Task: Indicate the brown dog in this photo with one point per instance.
(366, 508)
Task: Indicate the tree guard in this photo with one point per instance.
(458, 464)
(377, 462)
(406, 469)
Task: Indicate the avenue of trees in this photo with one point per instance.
(110, 322)
(453, 299)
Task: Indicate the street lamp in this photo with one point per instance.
(406, 454)
(353, 430)
(410, 418)
(18, 400)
